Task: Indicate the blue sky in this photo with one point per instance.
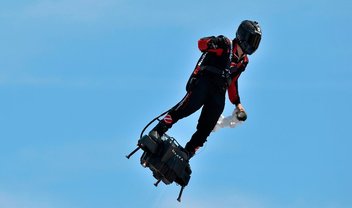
(80, 79)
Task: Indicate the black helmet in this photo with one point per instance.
(249, 35)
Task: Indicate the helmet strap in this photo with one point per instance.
(238, 52)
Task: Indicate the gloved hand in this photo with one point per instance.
(221, 42)
(213, 43)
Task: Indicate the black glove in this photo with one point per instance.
(222, 42)
(213, 43)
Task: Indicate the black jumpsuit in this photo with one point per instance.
(207, 88)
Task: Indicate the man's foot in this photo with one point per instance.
(189, 153)
(158, 130)
(154, 134)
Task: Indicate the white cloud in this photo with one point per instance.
(72, 156)
(63, 81)
(121, 13)
(219, 199)
(28, 80)
(21, 200)
(67, 10)
(229, 198)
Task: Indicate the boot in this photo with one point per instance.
(190, 151)
(159, 130)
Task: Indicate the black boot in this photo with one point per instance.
(159, 130)
(190, 151)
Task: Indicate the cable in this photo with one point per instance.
(157, 118)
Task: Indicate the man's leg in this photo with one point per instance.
(210, 114)
(192, 102)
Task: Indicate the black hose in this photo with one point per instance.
(157, 118)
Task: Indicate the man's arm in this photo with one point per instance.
(214, 44)
(233, 91)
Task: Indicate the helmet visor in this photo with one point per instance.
(252, 43)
